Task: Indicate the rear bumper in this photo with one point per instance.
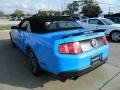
(69, 74)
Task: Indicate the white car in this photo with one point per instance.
(112, 30)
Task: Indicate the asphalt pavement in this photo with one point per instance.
(15, 74)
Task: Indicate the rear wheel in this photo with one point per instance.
(115, 36)
(33, 63)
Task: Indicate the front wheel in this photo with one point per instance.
(11, 40)
(115, 36)
(33, 63)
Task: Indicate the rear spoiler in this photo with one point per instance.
(87, 32)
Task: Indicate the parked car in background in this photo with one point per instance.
(16, 18)
(78, 18)
(59, 45)
(112, 30)
(115, 19)
(19, 19)
(12, 19)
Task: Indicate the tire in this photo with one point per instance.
(33, 63)
(12, 43)
(62, 79)
(115, 36)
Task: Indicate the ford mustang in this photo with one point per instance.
(59, 45)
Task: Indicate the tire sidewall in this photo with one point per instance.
(111, 36)
(11, 40)
(31, 67)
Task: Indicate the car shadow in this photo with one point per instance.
(14, 68)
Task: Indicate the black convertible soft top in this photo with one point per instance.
(38, 23)
(49, 18)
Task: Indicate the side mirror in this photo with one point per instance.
(14, 27)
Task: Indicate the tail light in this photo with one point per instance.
(70, 48)
(104, 40)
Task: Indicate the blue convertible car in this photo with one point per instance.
(59, 45)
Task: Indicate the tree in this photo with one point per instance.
(17, 13)
(28, 14)
(42, 13)
(1, 13)
(86, 2)
(90, 7)
(72, 7)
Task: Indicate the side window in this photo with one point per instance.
(25, 26)
(100, 23)
(52, 26)
(93, 21)
(29, 27)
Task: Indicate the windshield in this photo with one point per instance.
(62, 25)
(76, 18)
(107, 21)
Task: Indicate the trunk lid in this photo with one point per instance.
(84, 37)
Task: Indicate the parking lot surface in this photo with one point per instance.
(15, 75)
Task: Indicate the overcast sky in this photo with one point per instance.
(32, 6)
